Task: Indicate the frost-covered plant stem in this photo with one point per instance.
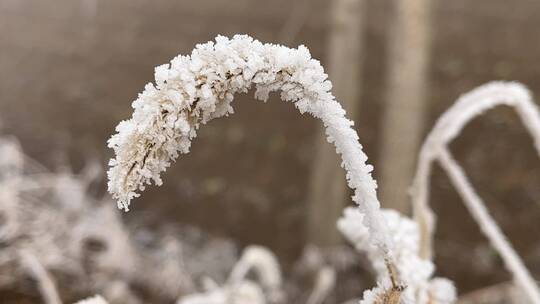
(435, 148)
(195, 89)
(448, 127)
(478, 210)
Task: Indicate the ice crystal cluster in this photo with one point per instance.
(415, 273)
(195, 89)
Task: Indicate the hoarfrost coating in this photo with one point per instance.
(195, 89)
(416, 273)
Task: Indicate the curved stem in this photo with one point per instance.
(192, 90)
(449, 126)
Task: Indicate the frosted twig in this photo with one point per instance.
(192, 90)
(416, 273)
(46, 284)
(478, 210)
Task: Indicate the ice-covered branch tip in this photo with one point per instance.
(195, 89)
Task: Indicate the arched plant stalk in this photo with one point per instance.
(265, 264)
(435, 148)
(195, 89)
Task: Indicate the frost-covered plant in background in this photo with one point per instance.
(435, 148)
(417, 272)
(194, 89)
(241, 290)
(54, 231)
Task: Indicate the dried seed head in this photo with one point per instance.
(195, 89)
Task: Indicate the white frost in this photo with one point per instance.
(414, 272)
(195, 89)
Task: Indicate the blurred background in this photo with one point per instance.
(69, 70)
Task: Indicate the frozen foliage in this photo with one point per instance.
(195, 89)
(192, 90)
(330, 274)
(241, 290)
(51, 228)
(414, 272)
(450, 124)
(52, 225)
(435, 147)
